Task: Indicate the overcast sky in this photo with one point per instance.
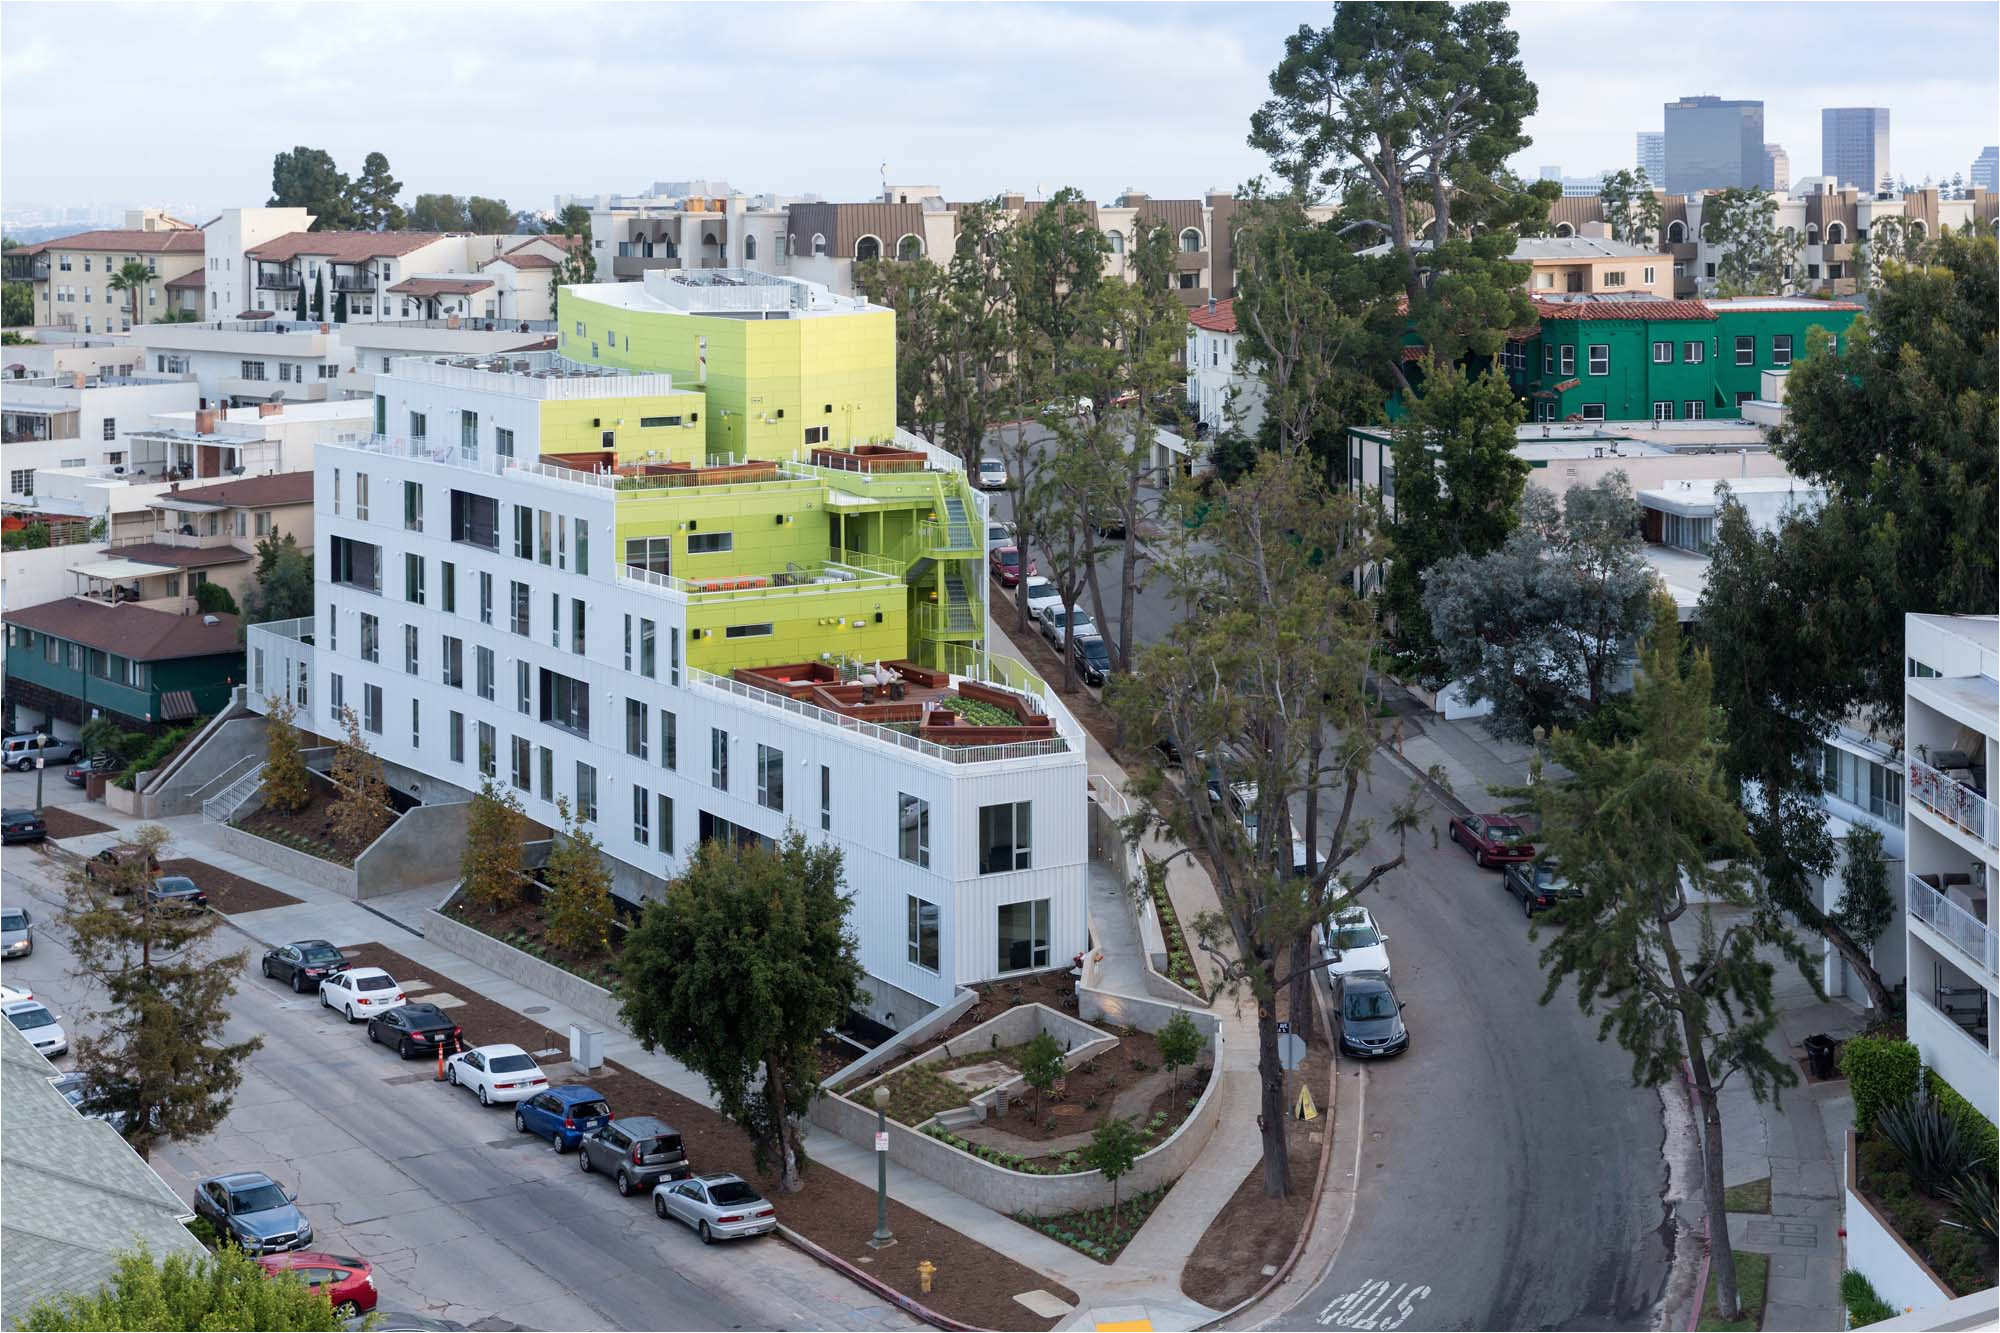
(188, 102)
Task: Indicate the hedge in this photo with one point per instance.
(1881, 1072)
(1966, 1113)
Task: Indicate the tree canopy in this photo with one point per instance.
(373, 196)
(226, 1290)
(308, 178)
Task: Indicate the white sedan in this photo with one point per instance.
(358, 992)
(1042, 595)
(38, 1024)
(1352, 942)
(497, 1073)
(9, 994)
(1077, 623)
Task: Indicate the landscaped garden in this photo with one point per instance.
(311, 828)
(1180, 951)
(1101, 1233)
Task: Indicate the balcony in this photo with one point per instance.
(353, 282)
(1963, 928)
(278, 279)
(31, 268)
(1955, 803)
(628, 267)
(819, 576)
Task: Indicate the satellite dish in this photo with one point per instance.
(277, 396)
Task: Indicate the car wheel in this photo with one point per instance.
(268, 975)
(660, 1207)
(347, 1310)
(1479, 858)
(520, 1125)
(707, 1236)
(350, 1013)
(556, 1143)
(484, 1100)
(582, 1159)
(324, 1002)
(298, 984)
(624, 1183)
(451, 1074)
(1527, 910)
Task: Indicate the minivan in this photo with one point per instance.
(638, 1153)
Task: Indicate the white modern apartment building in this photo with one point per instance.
(497, 601)
(243, 362)
(1951, 741)
(79, 421)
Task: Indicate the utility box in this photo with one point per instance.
(586, 1048)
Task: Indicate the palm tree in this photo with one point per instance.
(132, 276)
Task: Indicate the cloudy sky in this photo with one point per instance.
(188, 102)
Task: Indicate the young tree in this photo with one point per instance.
(1458, 490)
(1180, 1045)
(1541, 625)
(1757, 258)
(299, 310)
(1265, 688)
(282, 586)
(215, 598)
(578, 265)
(154, 1051)
(578, 909)
(131, 278)
(286, 779)
(308, 178)
(1866, 906)
(1649, 831)
(101, 735)
(490, 871)
(224, 1290)
(1041, 1065)
(17, 304)
(488, 217)
(340, 307)
(1114, 1146)
(372, 196)
(737, 972)
(362, 812)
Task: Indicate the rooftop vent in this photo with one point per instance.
(210, 620)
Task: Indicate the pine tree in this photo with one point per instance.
(363, 810)
(319, 295)
(578, 909)
(287, 783)
(490, 871)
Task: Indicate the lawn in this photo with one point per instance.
(1751, 1272)
(1752, 1196)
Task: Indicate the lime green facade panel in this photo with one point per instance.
(867, 624)
(653, 427)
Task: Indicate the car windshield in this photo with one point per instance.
(1504, 833)
(1358, 935)
(322, 953)
(586, 1110)
(177, 884)
(1362, 1005)
(1094, 650)
(1040, 588)
(510, 1064)
(37, 1017)
(257, 1199)
(13, 919)
(732, 1191)
(1010, 556)
(375, 983)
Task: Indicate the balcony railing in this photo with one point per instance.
(353, 282)
(1955, 803)
(278, 280)
(820, 576)
(1965, 932)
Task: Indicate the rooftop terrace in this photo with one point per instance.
(547, 375)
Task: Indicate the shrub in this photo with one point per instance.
(1877, 1159)
(1937, 1148)
(1982, 1129)
(1959, 1257)
(1863, 1305)
(1881, 1072)
(1973, 1198)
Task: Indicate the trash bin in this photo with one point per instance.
(1819, 1055)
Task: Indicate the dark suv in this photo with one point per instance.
(638, 1153)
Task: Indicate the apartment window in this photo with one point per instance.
(453, 662)
(524, 533)
(21, 481)
(1694, 409)
(517, 599)
(361, 495)
(111, 428)
(371, 638)
(1694, 353)
(1680, 268)
(582, 547)
(546, 529)
(577, 637)
(332, 628)
(565, 702)
(1781, 349)
(652, 554)
(1005, 837)
(448, 585)
(1708, 270)
(923, 919)
(913, 829)
(1592, 412)
(667, 824)
(503, 442)
(410, 652)
(413, 578)
(1663, 353)
(356, 564)
(545, 767)
(670, 740)
(1743, 396)
(337, 695)
(455, 734)
(1746, 349)
(521, 756)
(628, 643)
(371, 709)
(489, 750)
(718, 759)
(586, 793)
(250, 370)
(555, 620)
(1663, 411)
(1024, 935)
(761, 629)
(420, 427)
(825, 797)
(413, 506)
(1648, 278)
(637, 733)
(483, 671)
(711, 543)
(814, 435)
(523, 687)
(770, 778)
(485, 598)
(475, 520)
(642, 816)
(1600, 359)
(468, 434)
(1615, 278)
(673, 654)
(416, 725)
(1567, 357)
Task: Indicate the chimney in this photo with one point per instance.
(1599, 230)
(1211, 305)
(204, 421)
(270, 409)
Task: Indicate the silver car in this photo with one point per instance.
(17, 932)
(718, 1207)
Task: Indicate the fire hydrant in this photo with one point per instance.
(924, 1271)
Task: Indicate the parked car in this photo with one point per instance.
(117, 866)
(1352, 942)
(21, 826)
(1041, 593)
(1539, 886)
(38, 1024)
(79, 773)
(1092, 658)
(79, 1090)
(999, 533)
(1112, 529)
(175, 891)
(343, 1279)
(563, 1115)
(1492, 839)
(9, 994)
(1371, 1017)
(497, 1073)
(638, 1153)
(358, 992)
(992, 474)
(1005, 563)
(1058, 625)
(718, 1207)
(1243, 805)
(415, 1029)
(303, 964)
(251, 1210)
(22, 751)
(17, 932)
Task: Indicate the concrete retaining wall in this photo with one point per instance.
(1876, 1252)
(325, 874)
(565, 988)
(424, 846)
(124, 802)
(232, 742)
(1145, 1013)
(916, 1034)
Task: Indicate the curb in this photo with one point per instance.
(1707, 1247)
(862, 1276)
(1445, 794)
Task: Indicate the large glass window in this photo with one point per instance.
(718, 759)
(667, 824)
(1004, 837)
(565, 702)
(524, 532)
(454, 662)
(646, 649)
(670, 740)
(652, 554)
(413, 578)
(371, 638)
(923, 939)
(517, 598)
(586, 794)
(413, 506)
(489, 746)
(371, 708)
(913, 829)
(356, 564)
(642, 816)
(483, 671)
(825, 797)
(455, 733)
(1024, 935)
(475, 520)
(524, 686)
(485, 598)
(522, 752)
(637, 734)
(770, 778)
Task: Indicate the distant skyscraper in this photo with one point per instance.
(1714, 144)
(1653, 157)
(1986, 170)
(1777, 168)
(1854, 146)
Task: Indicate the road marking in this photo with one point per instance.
(1374, 1305)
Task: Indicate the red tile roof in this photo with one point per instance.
(520, 259)
(188, 281)
(133, 242)
(1222, 319)
(138, 632)
(440, 286)
(1623, 310)
(555, 238)
(343, 247)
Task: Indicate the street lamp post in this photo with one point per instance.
(39, 761)
(882, 1237)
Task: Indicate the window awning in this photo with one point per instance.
(118, 569)
(184, 506)
(177, 704)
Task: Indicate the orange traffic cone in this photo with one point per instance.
(440, 1072)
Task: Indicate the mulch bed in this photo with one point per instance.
(523, 925)
(227, 893)
(308, 829)
(974, 1285)
(62, 822)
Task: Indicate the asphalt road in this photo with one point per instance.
(462, 1218)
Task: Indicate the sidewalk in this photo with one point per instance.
(1471, 760)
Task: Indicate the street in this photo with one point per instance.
(462, 1218)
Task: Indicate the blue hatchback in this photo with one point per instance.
(563, 1115)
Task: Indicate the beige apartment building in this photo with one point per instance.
(72, 275)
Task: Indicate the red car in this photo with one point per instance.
(1005, 562)
(1493, 840)
(346, 1281)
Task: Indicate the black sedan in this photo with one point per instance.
(21, 826)
(78, 774)
(175, 891)
(1371, 1017)
(1092, 658)
(416, 1029)
(303, 964)
(1539, 886)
